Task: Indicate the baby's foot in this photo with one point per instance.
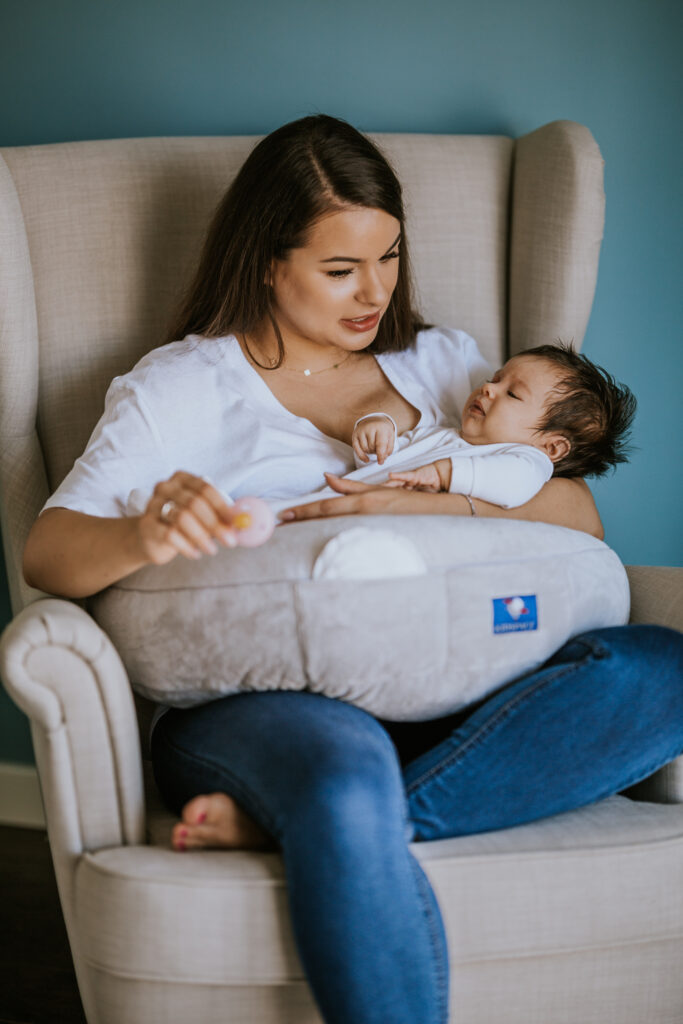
(217, 820)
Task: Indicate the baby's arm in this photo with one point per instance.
(509, 477)
(435, 476)
(374, 434)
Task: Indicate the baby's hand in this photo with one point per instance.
(433, 477)
(373, 435)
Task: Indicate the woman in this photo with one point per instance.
(298, 321)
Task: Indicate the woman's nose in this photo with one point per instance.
(372, 290)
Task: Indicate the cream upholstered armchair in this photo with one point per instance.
(573, 920)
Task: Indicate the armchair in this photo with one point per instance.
(576, 919)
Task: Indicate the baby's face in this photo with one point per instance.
(510, 406)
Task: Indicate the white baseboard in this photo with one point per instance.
(20, 800)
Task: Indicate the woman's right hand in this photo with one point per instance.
(73, 554)
(195, 515)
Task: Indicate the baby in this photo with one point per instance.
(547, 411)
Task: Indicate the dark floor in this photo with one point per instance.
(37, 981)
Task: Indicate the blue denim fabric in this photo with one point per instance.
(343, 793)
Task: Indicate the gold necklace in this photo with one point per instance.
(306, 372)
(312, 373)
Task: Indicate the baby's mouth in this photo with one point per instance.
(477, 407)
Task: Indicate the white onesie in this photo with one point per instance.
(506, 474)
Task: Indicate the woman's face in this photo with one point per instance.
(336, 288)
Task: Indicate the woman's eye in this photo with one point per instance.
(339, 273)
(390, 256)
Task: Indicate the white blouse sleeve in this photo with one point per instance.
(124, 453)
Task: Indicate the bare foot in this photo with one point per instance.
(217, 820)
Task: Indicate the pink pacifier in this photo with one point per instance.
(254, 522)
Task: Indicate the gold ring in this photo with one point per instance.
(166, 510)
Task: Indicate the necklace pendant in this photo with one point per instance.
(307, 373)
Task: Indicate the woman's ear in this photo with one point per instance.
(275, 273)
(556, 446)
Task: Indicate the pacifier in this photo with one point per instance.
(254, 522)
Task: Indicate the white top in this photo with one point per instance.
(198, 405)
(506, 474)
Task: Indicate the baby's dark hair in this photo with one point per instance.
(590, 408)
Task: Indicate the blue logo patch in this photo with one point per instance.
(515, 614)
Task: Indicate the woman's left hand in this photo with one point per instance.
(357, 498)
(562, 501)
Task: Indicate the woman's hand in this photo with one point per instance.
(186, 515)
(74, 555)
(369, 499)
(561, 501)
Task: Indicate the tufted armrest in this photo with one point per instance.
(64, 673)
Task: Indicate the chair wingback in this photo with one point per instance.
(557, 218)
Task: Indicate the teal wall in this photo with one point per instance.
(85, 69)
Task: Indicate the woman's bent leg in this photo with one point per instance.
(603, 713)
(323, 778)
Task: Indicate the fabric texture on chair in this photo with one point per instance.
(22, 470)
(528, 925)
(547, 303)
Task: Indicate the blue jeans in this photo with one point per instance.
(343, 794)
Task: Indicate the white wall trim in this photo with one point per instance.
(20, 799)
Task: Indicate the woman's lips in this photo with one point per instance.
(362, 323)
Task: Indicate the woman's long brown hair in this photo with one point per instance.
(292, 178)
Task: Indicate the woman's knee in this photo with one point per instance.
(348, 790)
(293, 750)
(637, 673)
(650, 652)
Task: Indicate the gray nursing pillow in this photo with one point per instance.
(408, 617)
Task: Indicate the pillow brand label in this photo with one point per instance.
(515, 614)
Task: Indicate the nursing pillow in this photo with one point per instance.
(408, 617)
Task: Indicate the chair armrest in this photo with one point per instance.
(656, 594)
(64, 673)
(657, 597)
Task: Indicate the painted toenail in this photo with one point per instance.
(201, 818)
(181, 846)
(183, 832)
